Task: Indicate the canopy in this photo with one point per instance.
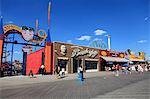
(114, 59)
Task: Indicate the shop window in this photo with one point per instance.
(90, 65)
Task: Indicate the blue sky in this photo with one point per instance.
(82, 21)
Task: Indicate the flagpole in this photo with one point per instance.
(36, 30)
(49, 5)
(36, 23)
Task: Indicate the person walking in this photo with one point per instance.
(117, 70)
(113, 69)
(42, 69)
(80, 71)
(136, 67)
(31, 74)
(58, 72)
(1, 71)
(133, 69)
(140, 69)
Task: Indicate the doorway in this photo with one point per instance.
(76, 64)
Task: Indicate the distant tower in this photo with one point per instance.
(1, 39)
(109, 44)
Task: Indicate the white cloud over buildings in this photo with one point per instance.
(99, 32)
(142, 41)
(85, 37)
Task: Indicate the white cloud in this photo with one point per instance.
(69, 41)
(106, 35)
(99, 32)
(9, 22)
(142, 41)
(87, 38)
(146, 18)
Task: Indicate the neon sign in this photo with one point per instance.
(90, 53)
(27, 33)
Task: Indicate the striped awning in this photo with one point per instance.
(114, 59)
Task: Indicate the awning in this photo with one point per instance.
(137, 60)
(114, 59)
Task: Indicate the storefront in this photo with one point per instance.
(110, 58)
(136, 58)
(70, 57)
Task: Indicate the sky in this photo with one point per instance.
(82, 21)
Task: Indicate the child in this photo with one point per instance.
(31, 73)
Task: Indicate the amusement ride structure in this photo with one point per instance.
(99, 43)
(31, 37)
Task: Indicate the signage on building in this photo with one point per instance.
(90, 53)
(103, 53)
(27, 48)
(121, 55)
(112, 53)
(63, 50)
(27, 33)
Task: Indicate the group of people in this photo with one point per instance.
(116, 69)
(140, 68)
(41, 71)
(129, 69)
(7, 69)
(60, 72)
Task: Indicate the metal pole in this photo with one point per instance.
(24, 63)
(109, 42)
(2, 52)
(12, 51)
(78, 62)
(6, 50)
